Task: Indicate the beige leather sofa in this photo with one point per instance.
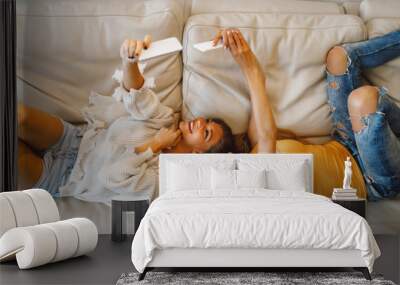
(69, 48)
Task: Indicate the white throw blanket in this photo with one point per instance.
(250, 219)
(107, 164)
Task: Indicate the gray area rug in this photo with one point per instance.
(243, 278)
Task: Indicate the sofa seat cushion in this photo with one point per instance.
(291, 50)
(67, 48)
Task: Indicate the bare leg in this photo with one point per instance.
(343, 77)
(336, 61)
(361, 102)
(38, 129)
(30, 167)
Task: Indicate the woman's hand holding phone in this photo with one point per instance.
(130, 51)
(131, 48)
(233, 40)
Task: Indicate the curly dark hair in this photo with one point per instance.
(226, 143)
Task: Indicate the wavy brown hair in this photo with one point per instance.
(226, 143)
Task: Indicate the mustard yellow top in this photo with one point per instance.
(328, 165)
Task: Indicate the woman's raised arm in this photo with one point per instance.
(262, 130)
(131, 49)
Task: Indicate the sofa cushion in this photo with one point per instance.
(388, 74)
(265, 6)
(67, 48)
(352, 7)
(371, 9)
(186, 7)
(291, 50)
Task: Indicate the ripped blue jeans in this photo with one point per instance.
(376, 147)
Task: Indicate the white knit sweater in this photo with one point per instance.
(107, 164)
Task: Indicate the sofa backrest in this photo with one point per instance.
(292, 51)
(67, 48)
(382, 17)
(373, 9)
(209, 160)
(265, 6)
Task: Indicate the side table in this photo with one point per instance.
(123, 203)
(356, 205)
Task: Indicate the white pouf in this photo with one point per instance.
(37, 245)
(26, 208)
(31, 233)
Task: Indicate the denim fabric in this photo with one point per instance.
(59, 160)
(376, 147)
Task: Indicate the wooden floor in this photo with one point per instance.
(110, 260)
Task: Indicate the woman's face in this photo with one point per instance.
(201, 134)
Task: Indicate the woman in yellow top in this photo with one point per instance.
(366, 121)
(262, 133)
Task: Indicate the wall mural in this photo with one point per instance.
(209, 128)
(100, 100)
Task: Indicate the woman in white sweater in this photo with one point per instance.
(117, 151)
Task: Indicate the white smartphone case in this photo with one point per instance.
(159, 48)
(207, 46)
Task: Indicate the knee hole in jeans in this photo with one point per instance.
(362, 102)
(332, 107)
(333, 85)
(337, 61)
(364, 121)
